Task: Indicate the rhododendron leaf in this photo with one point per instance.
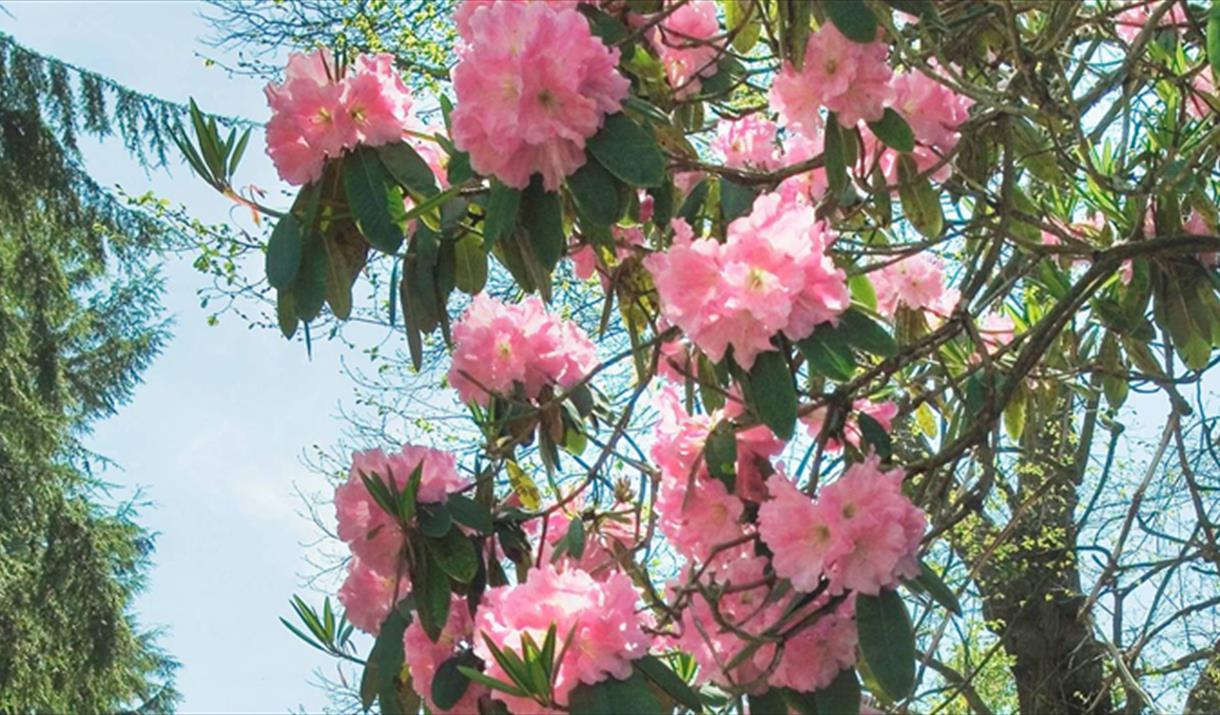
(795, 23)
(628, 151)
(470, 513)
(841, 697)
(930, 582)
(344, 261)
(887, 642)
(408, 168)
(286, 312)
(925, 419)
(920, 202)
(853, 18)
(863, 332)
(729, 73)
(470, 269)
(735, 199)
(385, 661)
(771, 393)
(894, 131)
(455, 555)
(524, 486)
(742, 17)
(1213, 38)
(284, 251)
(862, 291)
(459, 170)
(434, 520)
(595, 194)
(602, 25)
(512, 665)
(419, 279)
(614, 697)
(769, 702)
(483, 679)
(449, 683)
(720, 454)
(660, 674)
(662, 204)
(375, 201)
(576, 537)
(917, 8)
(833, 156)
(542, 219)
(309, 288)
(415, 344)
(874, 433)
(430, 590)
(1014, 413)
(828, 353)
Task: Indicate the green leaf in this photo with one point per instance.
(862, 291)
(735, 199)
(492, 683)
(828, 353)
(629, 152)
(430, 589)
(930, 582)
(375, 201)
(614, 697)
(841, 697)
(668, 681)
(874, 433)
(470, 513)
(771, 392)
(239, 152)
(408, 168)
(576, 537)
(459, 170)
(834, 157)
(863, 332)
(720, 453)
(384, 664)
(542, 218)
(887, 642)
(692, 205)
(284, 251)
(286, 312)
(853, 18)
(455, 555)
(770, 702)
(502, 205)
(434, 520)
(1213, 38)
(449, 683)
(743, 16)
(471, 269)
(920, 202)
(309, 286)
(894, 131)
(344, 261)
(595, 194)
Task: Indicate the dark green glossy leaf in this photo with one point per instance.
(920, 202)
(455, 555)
(470, 264)
(614, 697)
(374, 198)
(770, 702)
(576, 537)
(434, 520)
(595, 194)
(502, 206)
(309, 287)
(408, 168)
(470, 513)
(735, 199)
(449, 683)
(874, 434)
(542, 219)
(834, 157)
(284, 251)
(720, 453)
(852, 18)
(771, 392)
(828, 353)
(430, 589)
(628, 151)
(930, 582)
(887, 642)
(894, 131)
(841, 697)
(660, 674)
(863, 332)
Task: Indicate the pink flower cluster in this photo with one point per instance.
(532, 84)
(374, 536)
(934, 112)
(772, 275)
(423, 657)
(606, 540)
(498, 346)
(917, 282)
(861, 533)
(316, 115)
(683, 41)
(810, 659)
(849, 78)
(697, 512)
(749, 142)
(605, 630)
(1130, 22)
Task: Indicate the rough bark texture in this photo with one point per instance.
(1204, 698)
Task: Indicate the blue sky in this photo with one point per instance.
(216, 433)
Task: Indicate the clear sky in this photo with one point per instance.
(216, 433)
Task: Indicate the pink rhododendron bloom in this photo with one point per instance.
(423, 657)
(848, 78)
(373, 535)
(808, 187)
(367, 596)
(467, 8)
(814, 656)
(600, 615)
(675, 364)
(916, 281)
(1201, 99)
(861, 532)
(316, 115)
(682, 41)
(627, 240)
(498, 346)
(532, 85)
(772, 275)
(996, 330)
(933, 111)
(684, 181)
(606, 537)
(748, 143)
(1130, 22)
(883, 412)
